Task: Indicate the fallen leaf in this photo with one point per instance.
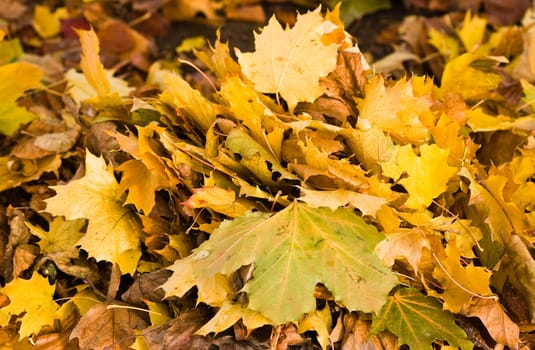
(418, 321)
(47, 23)
(403, 243)
(427, 174)
(59, 242)
(289, 251)
(292, 70)
(15, 79)
(367, 204)
(107, 328)
(500, 327)
(460, 283)
(230, 313)
(39, 307)
(113, 233)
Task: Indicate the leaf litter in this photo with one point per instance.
(283, 196)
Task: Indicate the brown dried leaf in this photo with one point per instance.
(500, 327)
(146, 287)
(23, 258)
(103, 328)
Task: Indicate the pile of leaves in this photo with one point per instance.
(288, 196)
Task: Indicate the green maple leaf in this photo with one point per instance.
(113, 233)
(292, 251)
(419, 320)
(34, 297)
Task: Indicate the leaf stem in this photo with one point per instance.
(489, 297)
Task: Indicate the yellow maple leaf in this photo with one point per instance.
(460, 284)
(230, 313)
(90, 62)
(213, 290)
(179, 94)
(472, 31)
(47, 23)
(290, 62)
(148, 172)
(403, 243)
(426, 175)
(472, 76)
(113, 233)
(402, 110)
(34, 297)
(96, 81)
(15, 79)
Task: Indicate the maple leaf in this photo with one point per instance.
(46, 23)
(149, 171)
(500, 327)
(292, 251)
(230, 313)
(428, 174)
(471, 76)
(460, 284)
(418, 321)
(11, 176)
(213, 289)
(179, 94)
(59, 243)
(103, 327)
(472, 31)
(403, 243)
(223, 201)
(95, 81)
(258, 160)
(402, 110)
(90, 62)
(113, 233)
(291, 70)
(38, 305)
(367, 204)
(15, 79)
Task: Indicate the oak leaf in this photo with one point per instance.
(113, 233)
(291, 70)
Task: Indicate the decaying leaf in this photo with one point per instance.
(105, 326)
